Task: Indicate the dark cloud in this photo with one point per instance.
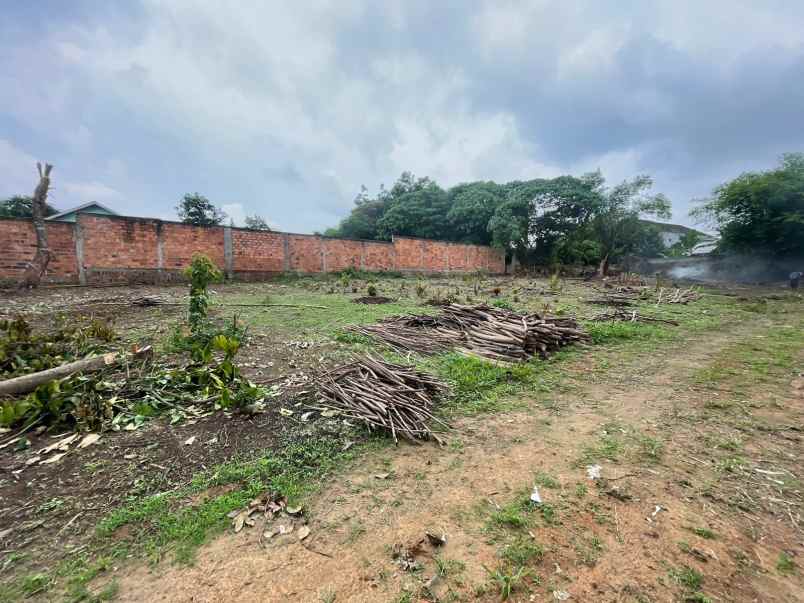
(288, 109)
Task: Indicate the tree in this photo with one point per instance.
(21, 206)
(761, 212)
(37, 267)
(616, 225)
(256, 222)
(418, 210)
(471, 206)
(198, 210)
(685, 244)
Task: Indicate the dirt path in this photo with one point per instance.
(643, 534)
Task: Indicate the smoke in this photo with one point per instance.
(731, 268)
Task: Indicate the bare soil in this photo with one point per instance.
(621, 538)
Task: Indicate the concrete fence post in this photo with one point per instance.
(228, 256)
(78, 236)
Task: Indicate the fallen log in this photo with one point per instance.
(28, 383)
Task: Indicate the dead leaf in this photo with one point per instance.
(285, 529)
(239, 521)
(61, 444)
(54, 459)
(5, 533)
(270, 533)
(33, 460)
(293, 510)
(189, 441)
(303, 532)
(89, 439)
(381, 475)
(285, 412)
(306, 416)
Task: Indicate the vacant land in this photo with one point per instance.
(667, 459)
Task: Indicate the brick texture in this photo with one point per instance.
(134, 250)
(18, 246)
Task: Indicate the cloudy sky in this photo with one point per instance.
(285, 109)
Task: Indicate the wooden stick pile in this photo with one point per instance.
(485, 331)
(620, 315)
(679, 296)
(385, 396)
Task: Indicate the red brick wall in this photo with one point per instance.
(379, 256)
(305, 253)
(126, 243)
(340, 254)
(181, 241)
(18, 245)
(256, 251)
(117, 249)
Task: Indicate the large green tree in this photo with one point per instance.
(198, 210)
(21, 206)
(761, 212)
(616, 225)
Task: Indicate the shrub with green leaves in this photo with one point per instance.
(201, 273)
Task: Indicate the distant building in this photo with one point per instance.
(672, 233)
(71, 215)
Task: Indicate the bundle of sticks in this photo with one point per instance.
(385, 396)
(620, 315)
(679, 296)
(485, 331)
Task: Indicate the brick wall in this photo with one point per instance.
(102, 249)
(18, 246)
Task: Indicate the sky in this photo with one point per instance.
(284, 109)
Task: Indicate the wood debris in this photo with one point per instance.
(621, 315)
(385, 396)
(679, 296)
(485, 331)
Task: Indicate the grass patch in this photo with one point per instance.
(522, 551)
(481, 386)
(785, 564)
(161, 524)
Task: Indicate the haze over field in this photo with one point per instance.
(287, 109)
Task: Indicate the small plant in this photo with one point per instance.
(421, 289)
(704, 533)
(522, 551)
(502, 303)
(371, 290)
(785, 564)
(687, 577)
(201, 272)
(496, 291)
(554, 283)
(507, 581)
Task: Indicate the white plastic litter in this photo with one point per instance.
(535, 496)
(593, 471)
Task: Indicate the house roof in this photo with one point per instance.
(674, 227)
(79, 208)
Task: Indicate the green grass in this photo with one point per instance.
(785, 564)
(687, 577)
(479, 386)
(339, 311)
(161, 525)
(522, 551)
(704, 533)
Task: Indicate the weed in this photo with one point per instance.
(686, 576)
(35, 583)
(581, 490)
(704, 533)
(448, 567)
(651, 448)
(546, 481)
(522, 551)
(785, 564)
(507, 581)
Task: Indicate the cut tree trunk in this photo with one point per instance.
(28, 383)
(37, 267)
(603, 268)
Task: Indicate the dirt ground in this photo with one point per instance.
(614, 539)
(699, 443)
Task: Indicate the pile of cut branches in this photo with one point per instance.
(384, 396)
(489, 332)
(679, 296)
(620, 315)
